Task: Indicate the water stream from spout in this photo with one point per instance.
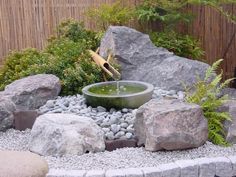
(117, 87)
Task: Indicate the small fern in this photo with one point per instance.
(206, 94)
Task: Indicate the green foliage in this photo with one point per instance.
(206, 94)
(106, 15)
(75, 31)
(169, 12)
(83, 73)
(217, 5)
(65, 56)
(17, 64)
(181, 45)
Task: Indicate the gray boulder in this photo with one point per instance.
(63, 134)
(141, 60)
(231, 92)
(230, 126)
(7, 107)
(170, 125)
(33, 91)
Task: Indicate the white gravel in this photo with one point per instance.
(121, 158)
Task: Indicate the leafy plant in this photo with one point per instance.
(65, 56)
(83, 73)
(206, 94)
(75, 31)
(182, 45)
(17, 63)
(107, 15)
(169, 12)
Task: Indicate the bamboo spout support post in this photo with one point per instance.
(105, 65)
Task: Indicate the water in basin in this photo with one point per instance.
(117, 89)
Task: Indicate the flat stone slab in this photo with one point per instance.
(24, 119)
(116, 144)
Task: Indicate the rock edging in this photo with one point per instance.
(201, 167)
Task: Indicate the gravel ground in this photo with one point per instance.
(121, 158)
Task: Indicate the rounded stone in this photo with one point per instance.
(128, 135)
(119, 134)
(50, 103)
(106, 130)
(130, 128)
(115, 128)
(101, 109)
(110, 135)
(112, 110)
(125, 110)
(22, 164)
(124, 125)
(113, 120)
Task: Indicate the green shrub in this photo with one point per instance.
(181, 45)
(107, 15)
(83, 73)
(17, 63)
(65, 56)
(206, 94)
(169, 12)
(75, 31)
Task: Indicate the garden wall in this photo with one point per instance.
(28, 23)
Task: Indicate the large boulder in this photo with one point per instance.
(22, 164)
(33, 91)
(7, 107)
(170, 125)
(61, 134)
(141, 60)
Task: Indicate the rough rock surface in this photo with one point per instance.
(7, 107)
(170, 125)
(141, 60)
(230, 126)
(231, 92)
(65, 134)
(33, 91)
(22, 164)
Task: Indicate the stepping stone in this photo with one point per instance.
(22, 164)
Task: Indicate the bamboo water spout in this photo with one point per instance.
(105, 65)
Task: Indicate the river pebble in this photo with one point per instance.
(112, 120)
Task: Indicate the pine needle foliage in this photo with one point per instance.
(206, 94)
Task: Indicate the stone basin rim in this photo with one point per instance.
(149, 88)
